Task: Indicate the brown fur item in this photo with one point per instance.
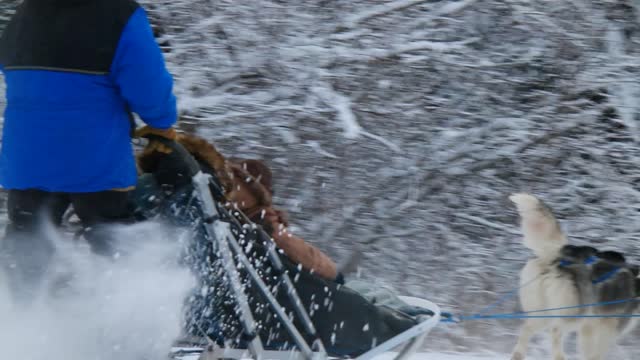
(201, 149)
(205, 152)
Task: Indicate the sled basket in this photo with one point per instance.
(248, 303)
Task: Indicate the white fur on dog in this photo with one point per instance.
(541, 231)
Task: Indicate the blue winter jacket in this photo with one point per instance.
(70, 84)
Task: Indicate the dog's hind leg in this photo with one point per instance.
(530, 328)
(557, 343)
(586, 339)
(596, 337)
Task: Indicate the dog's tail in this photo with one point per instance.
(541, 230)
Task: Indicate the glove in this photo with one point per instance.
(147, 131)
(156, 146)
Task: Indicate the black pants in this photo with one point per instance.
(26, 250)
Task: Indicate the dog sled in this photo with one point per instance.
(251, 301)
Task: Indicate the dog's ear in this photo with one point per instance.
(612, 256)
(569, 251)
(579, 253)
(589, 250)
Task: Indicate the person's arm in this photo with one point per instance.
(305, 254)
(139, 71)
(301, 252)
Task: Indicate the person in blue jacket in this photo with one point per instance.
(75, 70)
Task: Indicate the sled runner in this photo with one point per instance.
(252, 301)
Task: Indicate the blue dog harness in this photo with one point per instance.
(590, 261)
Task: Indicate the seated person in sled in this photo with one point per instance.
(253, 196)
(346, 322)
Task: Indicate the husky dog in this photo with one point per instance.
(563, 275)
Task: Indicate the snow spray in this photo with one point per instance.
(126, 308)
